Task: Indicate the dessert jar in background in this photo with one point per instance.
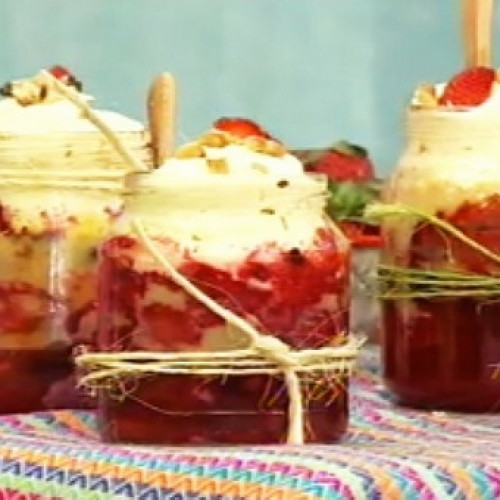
(61, 188)
(441, 341)
(352, 185)
(239, 218)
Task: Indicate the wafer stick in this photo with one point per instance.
(162, 114)
(477, 32)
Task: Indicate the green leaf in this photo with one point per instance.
(347, 200)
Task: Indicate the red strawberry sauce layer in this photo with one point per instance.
(32, 379)
(442, 353)
(301, 297)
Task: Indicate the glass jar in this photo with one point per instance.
(59, 194)
(441, 350)
(365, 308)
(263, 251)
(49, 231)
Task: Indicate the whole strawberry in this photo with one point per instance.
(471, 87)
(345, 162)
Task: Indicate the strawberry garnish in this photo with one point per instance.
(240, 127)
(59, 72)
(345, 162)
(351, 187)
(63, 74)
(471, 87)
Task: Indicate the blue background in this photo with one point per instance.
(311, 71)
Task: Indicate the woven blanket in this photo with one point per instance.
(389, 453)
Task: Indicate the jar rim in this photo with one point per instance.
(89, 178)
(139, 181)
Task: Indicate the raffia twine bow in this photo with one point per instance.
(264, 355)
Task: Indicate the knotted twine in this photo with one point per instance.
(264, 355)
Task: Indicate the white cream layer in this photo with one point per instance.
(242, 164)
(56, 136)
(451, 157)
(59, 116)
(32, 207)
(220, 218)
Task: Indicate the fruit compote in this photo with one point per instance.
(237, 216)
(441, 352)
(60, 190)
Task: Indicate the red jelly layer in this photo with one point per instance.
(301, 297)
(442, 353)
(235, 410)
(32, 380)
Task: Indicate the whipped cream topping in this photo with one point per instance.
(230, 164)
(220, 214)
(57, 116)
(35, 105)
(43, 133)
(450, 159)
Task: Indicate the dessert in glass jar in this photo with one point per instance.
(441, 315)
(235, 214)
(61, 188)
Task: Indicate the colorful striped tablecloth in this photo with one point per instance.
(389, 453)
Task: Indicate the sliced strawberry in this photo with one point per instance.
(63, 74)
(240, 127)
(471, 87)
(345, 162)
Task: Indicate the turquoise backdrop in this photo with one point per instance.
(311, 71)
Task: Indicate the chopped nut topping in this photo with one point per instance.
(31, 91)
(217, 165)
(274, 148)
(190, 150)
(425, 97)
(265, 146)
(214, 140)
(257, 144)
(40, 88)
(27, 92)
